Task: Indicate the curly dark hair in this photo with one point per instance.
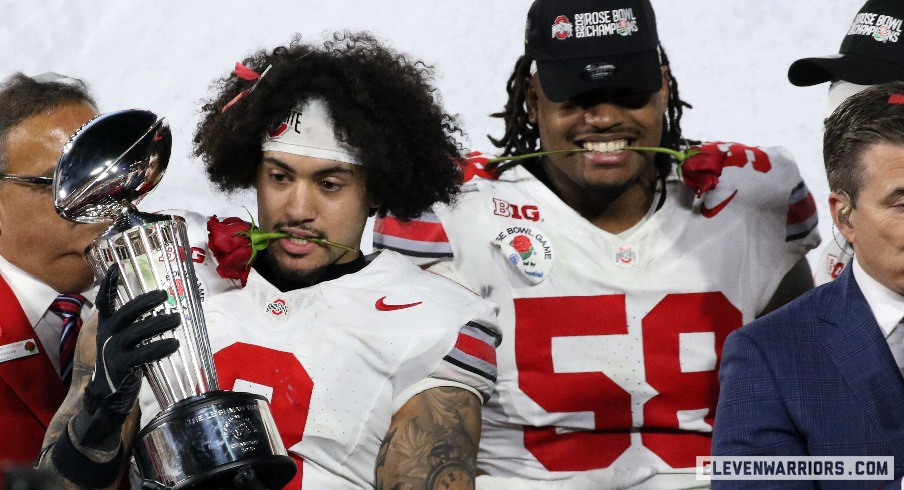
(521, 136)
(382, 102)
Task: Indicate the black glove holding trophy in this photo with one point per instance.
(203, 437)
(113, 390)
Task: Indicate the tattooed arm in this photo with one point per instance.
(92, 432)
(82, 369)
(431, 442)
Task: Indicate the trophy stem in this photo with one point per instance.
(175, 279)
(199, 346)
(154, 254)
(157, 280)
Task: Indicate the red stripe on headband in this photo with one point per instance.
(896, 99)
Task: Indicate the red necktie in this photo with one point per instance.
(69, 308)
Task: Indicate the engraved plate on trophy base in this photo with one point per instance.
(203, 441)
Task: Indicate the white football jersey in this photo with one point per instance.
(835, 256)
(611, 343)
(338, 359)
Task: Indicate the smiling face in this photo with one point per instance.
(33, 237)
(310, 198)
(876, 225)
(604, 121)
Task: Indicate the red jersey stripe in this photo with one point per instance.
(476, 348)
(801, 210)
(422, 231)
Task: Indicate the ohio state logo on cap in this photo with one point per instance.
(562, 28)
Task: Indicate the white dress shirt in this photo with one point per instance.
(888, 308)
(35, 298)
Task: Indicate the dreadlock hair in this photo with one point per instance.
(521, 136)
(382, 102)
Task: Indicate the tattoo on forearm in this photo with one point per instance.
(82, 370)
(451, 475)
(432, 443)
(381, 455)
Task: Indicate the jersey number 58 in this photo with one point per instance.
(539, 320)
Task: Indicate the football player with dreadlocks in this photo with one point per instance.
(618, 273)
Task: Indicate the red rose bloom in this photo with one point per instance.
(474, 165)
(521, 243)
(702, 168)
(229, 242)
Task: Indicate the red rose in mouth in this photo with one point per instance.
(702, 169)
(231, 247)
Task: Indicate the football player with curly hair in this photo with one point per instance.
(375, 369)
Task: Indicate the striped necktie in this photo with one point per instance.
(69, 308)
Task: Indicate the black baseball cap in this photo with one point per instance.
(580, 45)
(872, 52)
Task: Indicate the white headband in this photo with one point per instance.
(308, 131)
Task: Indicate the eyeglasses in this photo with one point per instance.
(27, 179)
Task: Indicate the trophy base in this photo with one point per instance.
(205, 440)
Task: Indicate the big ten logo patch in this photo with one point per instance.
(882, 28)
(509, 210)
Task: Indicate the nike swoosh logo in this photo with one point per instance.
(382, 306)
(711, 212)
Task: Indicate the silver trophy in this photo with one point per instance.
(203, 436)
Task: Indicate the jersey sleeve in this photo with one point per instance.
(780, 208)
(800, 217)
(470, 363)
(423, 239)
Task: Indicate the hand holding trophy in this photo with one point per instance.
(204, 437)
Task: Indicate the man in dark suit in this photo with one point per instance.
(822, 375)
(868, 56)
(41, 257)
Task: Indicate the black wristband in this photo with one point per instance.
(80, 469)
(101, 431)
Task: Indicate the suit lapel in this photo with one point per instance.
(32, 378)
(863, 358)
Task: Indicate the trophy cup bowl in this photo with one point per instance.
(203, 436)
